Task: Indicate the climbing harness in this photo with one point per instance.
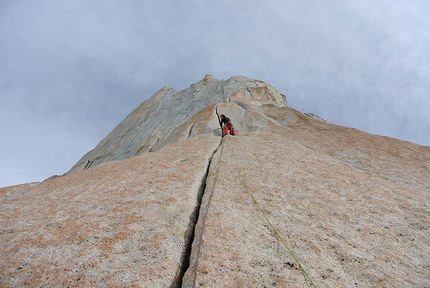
(242, 179)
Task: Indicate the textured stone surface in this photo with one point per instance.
(353, 207)
(118, 224)
(148, 126)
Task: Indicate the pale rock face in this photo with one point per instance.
(352, 207)
(122, 223)
(149, 125)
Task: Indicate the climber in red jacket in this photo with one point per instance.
(226, 125)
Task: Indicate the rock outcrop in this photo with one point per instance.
(169, 203)
(160, 120)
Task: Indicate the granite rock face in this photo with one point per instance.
(188, 208)
(122, 223)
(353, 208)
(152, 122)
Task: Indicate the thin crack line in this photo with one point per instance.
(205, 214)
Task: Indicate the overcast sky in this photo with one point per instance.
(70, 71)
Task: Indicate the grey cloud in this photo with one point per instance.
(84, 65)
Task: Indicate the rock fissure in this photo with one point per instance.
(89, 163)
(153, 145)
(190, 130)
(190, 233)
(217, 117)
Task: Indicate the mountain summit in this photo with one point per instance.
(165, 201)
(171, 116)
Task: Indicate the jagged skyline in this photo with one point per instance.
(72, 71)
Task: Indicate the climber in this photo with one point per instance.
(226, 125)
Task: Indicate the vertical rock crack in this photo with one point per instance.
(190, 232)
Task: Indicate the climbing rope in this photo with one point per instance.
(242, 179)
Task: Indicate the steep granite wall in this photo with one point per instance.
(147, 127)
(188, 208)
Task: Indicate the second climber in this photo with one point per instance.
(226, 125)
